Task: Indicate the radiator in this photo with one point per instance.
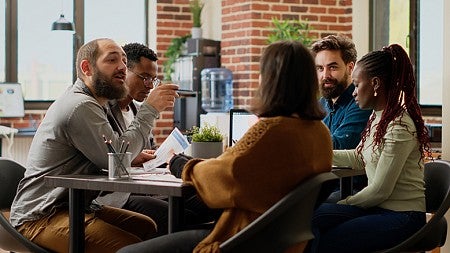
(19, 149)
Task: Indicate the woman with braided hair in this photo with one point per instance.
(392, 148)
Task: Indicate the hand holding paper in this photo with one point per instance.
(175, 143)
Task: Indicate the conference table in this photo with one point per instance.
(78, 184)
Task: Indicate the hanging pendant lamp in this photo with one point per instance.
(62, 24)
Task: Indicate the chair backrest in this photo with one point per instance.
(437, 193)
(286, 223)
(11, 173)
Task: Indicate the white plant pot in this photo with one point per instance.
(206, 149)
(196, 32)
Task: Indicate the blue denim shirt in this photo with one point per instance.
(345, 120)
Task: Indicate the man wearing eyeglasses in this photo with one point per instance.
(69, 141)
(142, 69)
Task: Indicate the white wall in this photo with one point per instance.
(360, 31)
(212, 19)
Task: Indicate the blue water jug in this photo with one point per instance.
(217, 89)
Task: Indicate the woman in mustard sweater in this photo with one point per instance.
(286, 146)
(392, 206)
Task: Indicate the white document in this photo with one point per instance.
(157, 177)
(175, 143)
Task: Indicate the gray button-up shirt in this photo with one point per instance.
(69, 141)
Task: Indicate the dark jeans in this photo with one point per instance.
(345, 228)
(180, 242)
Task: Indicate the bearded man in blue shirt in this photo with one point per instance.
(335, 58)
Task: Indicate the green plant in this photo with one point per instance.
(291, 30)
(196, 7)
(172, 54)
(207, 133)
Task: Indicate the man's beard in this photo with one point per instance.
(335, 90)
(105, 87)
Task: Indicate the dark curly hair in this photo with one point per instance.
(393, 67)
(338, 43)
(135, 51)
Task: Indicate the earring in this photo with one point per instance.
(375, 94)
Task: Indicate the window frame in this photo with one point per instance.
(379, 22)
(11, 44)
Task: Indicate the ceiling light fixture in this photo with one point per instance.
(62, 24)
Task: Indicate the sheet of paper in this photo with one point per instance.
(175, 143)
(141, 170)
(157, 177)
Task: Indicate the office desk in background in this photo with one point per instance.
(346, 175)
(77, 184)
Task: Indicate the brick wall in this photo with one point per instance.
(173, 20)
(245, 27)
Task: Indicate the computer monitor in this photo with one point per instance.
(11, 100)
(240, 121)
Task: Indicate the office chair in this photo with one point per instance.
(11, 173)
(434, 232)
(286, 223)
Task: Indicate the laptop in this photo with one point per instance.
(240, 121)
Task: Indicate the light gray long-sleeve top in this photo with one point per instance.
(69, 141)
(394, 170)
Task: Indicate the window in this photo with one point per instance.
(420, 32)
(431, 48)
(122, 21)
(42, 59)
(44, 56)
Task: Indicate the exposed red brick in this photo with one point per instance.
(310, 1)
(279, 8)
(296, 8)
(317, 10)
(328, 2)
(328, 19)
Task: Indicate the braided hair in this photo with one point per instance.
(393, 67)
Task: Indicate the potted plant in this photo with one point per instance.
(291, 30)
(196, 7)
(206, 142)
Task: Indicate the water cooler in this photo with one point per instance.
(200, 54)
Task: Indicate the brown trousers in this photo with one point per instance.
(106, 230)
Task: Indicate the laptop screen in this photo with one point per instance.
(240, 121)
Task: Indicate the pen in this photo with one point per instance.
(112, 150)
(121, 146)
(126, 147)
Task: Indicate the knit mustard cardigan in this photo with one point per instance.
(270, 160)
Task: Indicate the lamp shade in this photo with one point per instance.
(62, 24)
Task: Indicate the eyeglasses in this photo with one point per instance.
(146, 80)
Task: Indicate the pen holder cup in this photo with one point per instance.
(119, 165)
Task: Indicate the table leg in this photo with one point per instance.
(346, 186)
(176, 214)
(76, 220)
